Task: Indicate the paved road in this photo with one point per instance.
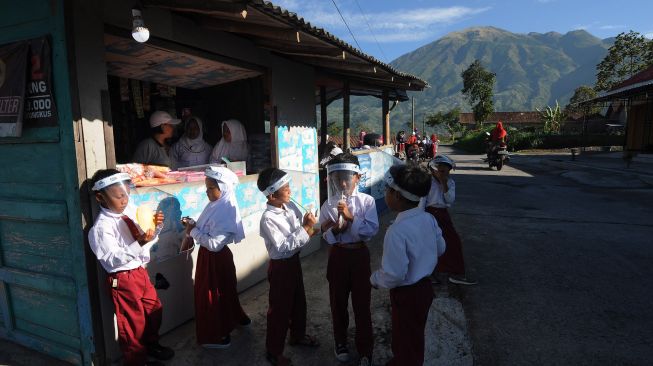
(564, 265)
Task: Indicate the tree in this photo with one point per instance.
(334, 128)
(552, 118)
(630, 53)
(478, 85)
(581, 94)
(450, 120)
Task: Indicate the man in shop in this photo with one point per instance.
(155, 149)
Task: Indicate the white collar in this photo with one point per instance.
(403, 215)
(110, 213)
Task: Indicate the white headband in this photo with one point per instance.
(223, 176)
(343, 166)
(285, 179)
(391, 183)
(112, 179)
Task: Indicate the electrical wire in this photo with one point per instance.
(385, 58)
(346, 25)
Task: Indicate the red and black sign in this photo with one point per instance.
(40, 108)
(26, 98)
(12, 87)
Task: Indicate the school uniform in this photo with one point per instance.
(217, 307)
(284, 236)
(137, 305)
(409, 256)
(437, 204)
(348, 270)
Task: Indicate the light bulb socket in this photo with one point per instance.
(140, 33)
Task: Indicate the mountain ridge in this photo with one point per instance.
(533, 70)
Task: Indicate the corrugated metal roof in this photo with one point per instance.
(298, 21)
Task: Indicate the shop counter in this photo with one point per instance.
(189, 199)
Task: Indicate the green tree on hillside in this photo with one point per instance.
(478, 85)
(581, 94)
(450, 120)
(630, 54)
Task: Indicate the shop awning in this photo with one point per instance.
(284, 33)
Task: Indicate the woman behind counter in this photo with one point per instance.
(232, 145)
(154, 150)
(191, 149)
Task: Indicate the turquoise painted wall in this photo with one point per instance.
(44, 301)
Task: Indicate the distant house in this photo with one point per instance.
(515, 119)
(633, 98)
(573, 124)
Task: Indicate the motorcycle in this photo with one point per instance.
(497, 154)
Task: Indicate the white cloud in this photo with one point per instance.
(649, 35)
(389, 26)
(610, 27)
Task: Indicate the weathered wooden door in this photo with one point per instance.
(44, 301)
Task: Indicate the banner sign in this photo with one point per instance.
(40, 108)
(12, 87)
(26, 98)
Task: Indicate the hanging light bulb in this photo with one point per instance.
(139, 30)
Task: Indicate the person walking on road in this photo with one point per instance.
(440, 198)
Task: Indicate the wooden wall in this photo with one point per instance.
(44, 301)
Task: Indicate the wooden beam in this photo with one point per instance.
(248, 28)
(346, 131)
(385, 115)
(323, 116)
(303, 49)
(198, 6)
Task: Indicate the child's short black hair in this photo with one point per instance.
(412, 178)
(267, 177)
(347, 158)
(101, 174)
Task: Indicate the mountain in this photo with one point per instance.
(533, 70)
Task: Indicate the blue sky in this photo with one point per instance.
(402, 26)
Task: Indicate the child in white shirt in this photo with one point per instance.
(347, 227)
(441, 196)
(285, 232)
(409, 256)
(122, 248)
(217, 308)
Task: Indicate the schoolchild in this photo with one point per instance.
(122, 248)
(409, 256)
(348, 221)
(217, 308)
(285, 233)
(441, 196)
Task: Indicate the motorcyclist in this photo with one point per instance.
(497, 137)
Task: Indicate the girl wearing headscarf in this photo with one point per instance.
(498, 134)
(217, 308)
(191, 149)
(434, 145)
(232, 145)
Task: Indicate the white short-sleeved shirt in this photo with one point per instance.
(364, 226)
(114, 245)
(437, 198)
(411, 248)
(282, 231)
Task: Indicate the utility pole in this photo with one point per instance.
(412, 99)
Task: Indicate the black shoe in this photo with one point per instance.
(245, 322)
(342, 352)
(160, 352)
(225, 342)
